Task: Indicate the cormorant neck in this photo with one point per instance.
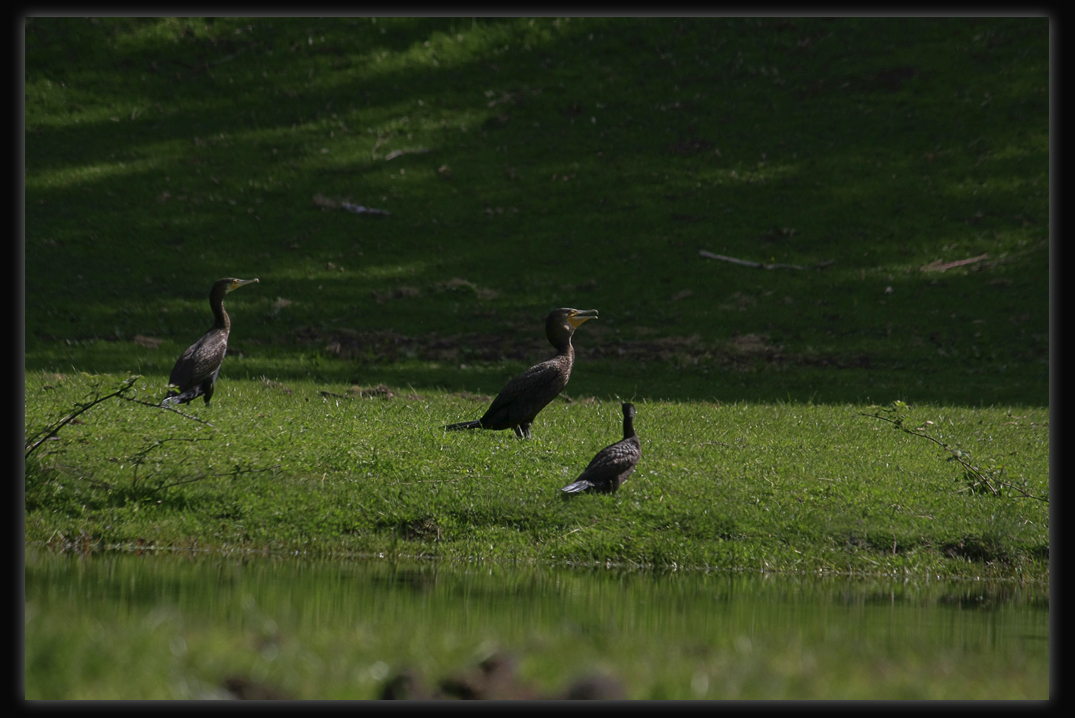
(560, 337)
(628, 427)
(223, 321)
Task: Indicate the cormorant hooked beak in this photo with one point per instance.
(579, 316)
(236, 283)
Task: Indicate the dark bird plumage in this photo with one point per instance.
(196, 371)
(608, 470)
(527, 394)
(595, 687)
(244, 689)
(495, 678)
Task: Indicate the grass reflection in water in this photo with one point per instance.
(122, 626)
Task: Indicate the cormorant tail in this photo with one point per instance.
(176, 398)
(577, 487)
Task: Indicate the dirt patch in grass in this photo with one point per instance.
(741, 352)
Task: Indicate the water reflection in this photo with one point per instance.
(315, 629)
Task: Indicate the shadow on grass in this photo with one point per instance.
(584, 166)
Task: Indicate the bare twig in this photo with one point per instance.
(239, 472)
(957, 455)
(233, 473)
(81, 408)
(763, 265)
(167, 408)
(139, 458)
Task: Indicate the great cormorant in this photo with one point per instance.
(195, 373)
(613, 464)
(524, 396)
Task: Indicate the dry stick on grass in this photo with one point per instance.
(941, 266)
(396, 153)
(763, 265)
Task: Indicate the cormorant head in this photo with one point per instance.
(222, 286)
(234, 284)
(628, 411)
(562, 323)
(571, 318)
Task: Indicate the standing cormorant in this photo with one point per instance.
(613, 464)
(524, 396)
(195, 373)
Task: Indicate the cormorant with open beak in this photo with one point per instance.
(524, 396)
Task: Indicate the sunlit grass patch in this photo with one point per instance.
(293, 466)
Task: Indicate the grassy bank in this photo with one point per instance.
(900, 165)
(785, 487)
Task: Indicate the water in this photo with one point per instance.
(175, 626)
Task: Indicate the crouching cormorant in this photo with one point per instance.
(524, 396)
(196, 371)
(613, 464)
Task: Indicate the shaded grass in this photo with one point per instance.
(883, 145)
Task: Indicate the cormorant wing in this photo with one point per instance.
(199, 361)
(612, 461)
(526, 395)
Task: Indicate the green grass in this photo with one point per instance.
(769, 487)
(580, 162)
